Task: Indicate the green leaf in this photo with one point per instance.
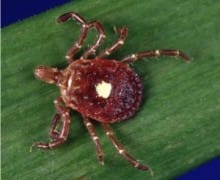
(177, 125)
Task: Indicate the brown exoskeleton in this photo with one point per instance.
(100, 89)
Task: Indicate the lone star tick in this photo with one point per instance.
(100, 89)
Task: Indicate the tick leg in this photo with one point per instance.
(84, 31)
(54, 134)
(57, 137)
(92, 49)
(156, 53)
(123, 35)
(121, 149)
(95, 139)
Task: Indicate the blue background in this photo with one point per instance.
(15, 10)
(208, 171)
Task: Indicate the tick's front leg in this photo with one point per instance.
(62, 116)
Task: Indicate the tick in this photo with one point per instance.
(100, 89)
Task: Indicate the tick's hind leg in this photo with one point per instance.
(57, 138)
(95, 139)
(156, 53)
(123, 35)
(121, 149)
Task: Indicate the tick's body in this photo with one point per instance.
(79, 89)
(100, 89)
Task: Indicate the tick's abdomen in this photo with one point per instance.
(104, 90)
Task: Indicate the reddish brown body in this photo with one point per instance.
(100, 89)
(81, 95)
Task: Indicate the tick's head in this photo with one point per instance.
(47, 74)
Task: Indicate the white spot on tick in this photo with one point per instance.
(108, 133)
(103, 89)
(95, 138)
(107, 52)
(134, 56)
(67, 57)
(121, 42)
(177, 52)
(157, 52)
(121, 151)
(88, 124)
